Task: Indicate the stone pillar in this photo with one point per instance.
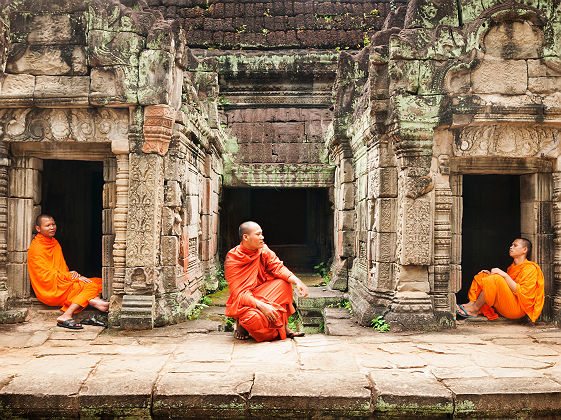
(146, 197)
(4, 165)
(120, 223)
(108, 225)
(557, 245)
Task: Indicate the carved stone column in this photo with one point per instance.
(557, 245)
(4, 164)
(120, 223)
(146, 198)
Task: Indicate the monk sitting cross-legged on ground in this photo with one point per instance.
(53, 283)
(518, 292)
(260, 288)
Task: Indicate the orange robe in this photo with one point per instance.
(258, 274)
(527, 300)
(50, 278)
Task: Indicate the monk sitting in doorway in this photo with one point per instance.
(260, 288)
(53, 283)
(518, 292)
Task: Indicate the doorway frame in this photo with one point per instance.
(536, 211)
(24, 199)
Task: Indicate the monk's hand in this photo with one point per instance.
(269, 311)
(301, 289)
(498, 271)
(84, 279)
(74, 275)
(484, 271)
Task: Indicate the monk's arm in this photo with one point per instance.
(511, 283)
(301, 288)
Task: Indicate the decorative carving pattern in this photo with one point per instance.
(145, 208)
(84, 125)
(271, 175)
(417, 231)
(557, 240)
(507, 140)
(442, 247)
(158, 127)
(120, 224)
(4, 163)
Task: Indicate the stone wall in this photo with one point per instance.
(276, 24)
(471, 89)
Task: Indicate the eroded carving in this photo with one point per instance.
(158, 127)
(417, 231)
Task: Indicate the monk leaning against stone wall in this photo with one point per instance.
(54, 284)
(518, 292)
(260, 288)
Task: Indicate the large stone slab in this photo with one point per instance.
(310, 394)
(201, 395)
(112, 390)
(47, 387)
(505, 396)
(410, 393)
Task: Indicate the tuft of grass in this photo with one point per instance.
(379, 324)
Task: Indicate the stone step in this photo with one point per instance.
(338, 321)
(311, 307)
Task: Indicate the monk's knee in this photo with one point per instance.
(253, 320)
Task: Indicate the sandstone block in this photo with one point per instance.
(347, 171)
(347, 243)
(155, 77)
(170, 250)
(500, 76)
(25, 183)
(20, 213)
(47, 29)
(172, 197)
(348, 196)
(109, 195)
(66, 89)
(17, 87)
(544, 84)
(47, 60)
(384, 182)
(107, 48)
(28, 163)
(18, 280)
(385, 212)
(514, 40)
(384, 246)
(381, 276)
(115, 84)
(107, 242)
(19, 257)
(107, 222)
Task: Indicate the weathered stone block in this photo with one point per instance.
(384, 182)
(68, 89)
(155, 77)
(544, 84)
(25, 183)
(170, 250)
(137, 312)
(20, 214)
(18, 87)
(47, 29)
(417, 231)
(500, 76)
(384, 246)
(348, 196)
(18, 280)
(172, 197)
(385, 214)
(109, 195)
(171, 277)
(115, 84)
(141, 280)
(107, 222)
(514, 40)
(19, 257)
(107, 242)
(347, 243)
(347, 171)
(381, 276)
(107, 48)
(47, 60)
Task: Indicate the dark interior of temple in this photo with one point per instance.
(72, 193)
(296, 222)
(491, 221)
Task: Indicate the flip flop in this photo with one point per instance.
(296, 334)
(70, 324)
(93, 321)
(462, 313)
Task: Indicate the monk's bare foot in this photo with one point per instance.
(99, 304)
(467, 309)
(240, 333)
(292, 334)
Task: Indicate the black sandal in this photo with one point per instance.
(70, 324)
(94, 321)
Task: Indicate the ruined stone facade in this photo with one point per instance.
(385, 105)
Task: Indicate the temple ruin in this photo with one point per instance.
(404, 142)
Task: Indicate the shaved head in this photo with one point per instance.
(39, 219)
(528, 245)
(247, 228)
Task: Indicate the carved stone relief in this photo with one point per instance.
(158, 127)
(507, 140)
(83, 125)
(417, 231)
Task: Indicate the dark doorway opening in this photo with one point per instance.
(491, 220)
(297, 222)
(72, 192)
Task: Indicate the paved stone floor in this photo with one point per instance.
(193, 370)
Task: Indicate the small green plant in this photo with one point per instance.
(265, 32)
(241, 29)
(366, 41)
(344, 304)
(229, 323)
(294, 321)
(267, 13)
(323, 271)
(379, 324)
(196, 312)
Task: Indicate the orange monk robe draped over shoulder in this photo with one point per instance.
(50, 278)
(258, 274)
(528, 299)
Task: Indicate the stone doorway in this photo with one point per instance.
(491, 220)
(297, 222)
(72, 193)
